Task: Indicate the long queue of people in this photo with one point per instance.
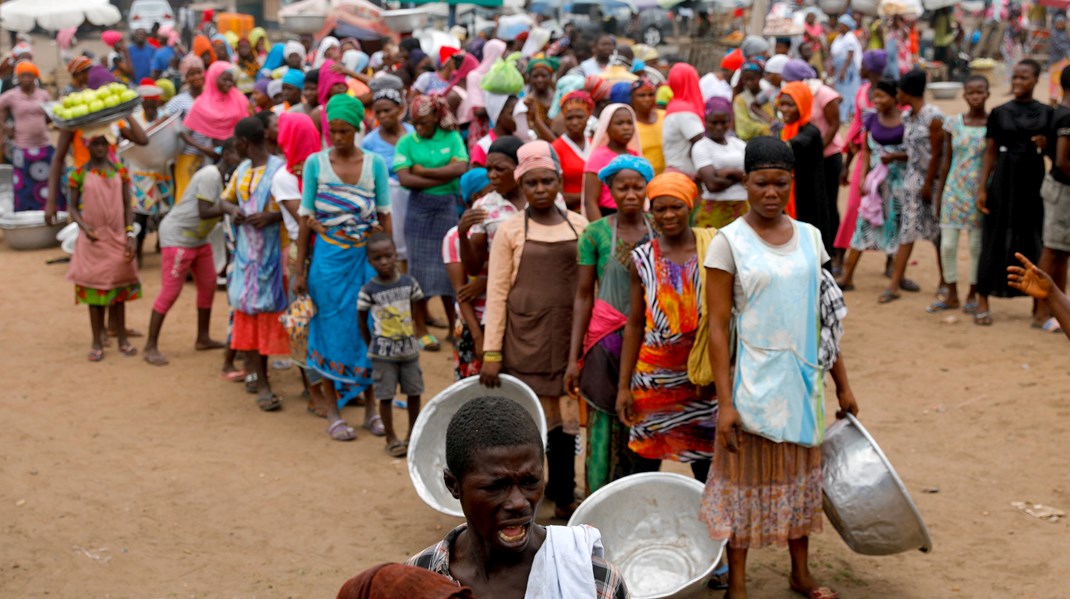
(636, 241)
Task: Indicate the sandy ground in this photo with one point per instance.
(123, 480)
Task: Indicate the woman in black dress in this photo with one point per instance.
(808, 203)
(1013, 209)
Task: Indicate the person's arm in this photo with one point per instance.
(474, 248)
(633, 340)
(499, 281)
(864, 157)
(846, 397)
(443, 174)
(411, 181)
(747, 125)
(988, 163)
(76, 213)
(365, 333)
(582, 306)
(945, 168)
(592, 191)
(5, 130)
(1062, 154)
(832, 117)
(381, 177)
(936, 145)
(128, 217)
(719, 308)
(719, 179)
(208, 151)
(458, 280)
(1034, 282)
(850, 59)
(63, 145)
(134, 132)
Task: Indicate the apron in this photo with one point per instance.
(102, 264)
(539, 319)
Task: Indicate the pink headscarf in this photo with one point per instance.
(214, 113)
(298, 138)
(601, 135)
(328, 79)
(534, 155)
(492, 51)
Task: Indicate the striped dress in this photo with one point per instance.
(673, 422)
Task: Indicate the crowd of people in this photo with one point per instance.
(657, 253)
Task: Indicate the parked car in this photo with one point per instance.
(651, 24)
(143, 13)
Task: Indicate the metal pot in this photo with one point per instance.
(661, 548)
(27, 230)
(427, 445)
(865, 500)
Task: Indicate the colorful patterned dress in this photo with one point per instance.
(673, 422)
(958, 209)
(917, 218)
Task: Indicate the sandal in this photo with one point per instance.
(909, 286)
(234, 376)
(268, 403)
(127, 350)
(982, 318)
(375, 426)
(429, 343)
(887, 296)
(970, 307)
(250, 384)
(339, 430)
(436, 323)
(1052, 326)
(939, 306)
(397, 449)
(95, 355)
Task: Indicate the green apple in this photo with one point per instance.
(78, 111)
(111, 101)
(128, 95)
(60, 113)
(68, 101)
(96, 106)
(117, 88)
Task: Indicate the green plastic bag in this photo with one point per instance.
(504, 77)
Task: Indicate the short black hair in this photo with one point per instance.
(379, 237)
(312, 77)
(484, 423)
(1032, 64)
(978, 79)
(265, 116)
(251, 129)
(228, 144)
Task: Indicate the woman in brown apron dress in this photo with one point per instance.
(531, 286)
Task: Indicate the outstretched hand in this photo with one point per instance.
(1029, 279)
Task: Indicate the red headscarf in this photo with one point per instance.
(800, 93)
(469, 63)
(298, 139)
(389, 581)
(686, 94)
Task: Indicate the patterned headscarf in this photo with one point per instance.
(598, 88)
(578, 99)
(565, 86)
(79, 64)
(550, 64)
(190, 61)
(423, 105)
(388, 94)
(535, 155)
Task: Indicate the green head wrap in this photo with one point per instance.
(343, 107)
(549, 64)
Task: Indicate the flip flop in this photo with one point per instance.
(268, 403)
(1052, 326)
(397, 449)
(375, 426)
(339, 430)
(127, 350)
(250, 384)
(939, 306)
(437, 324)
(847, 287)
(158, 360)
(982, 318)
(95, 355)
(970, 307)
(887, 296)
(234, 376)
(909, 286)
(429, 343)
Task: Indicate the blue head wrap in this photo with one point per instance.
(566, 84)
(627, 162)
(295, 78)
(472, 181)
(621, 93)
(275, 57)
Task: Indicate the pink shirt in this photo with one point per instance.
(31, 126)
(596, 161)
(822, 97)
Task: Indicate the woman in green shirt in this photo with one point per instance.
(429, 163)
(605, 249)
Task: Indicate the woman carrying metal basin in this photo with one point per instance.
(765, 271)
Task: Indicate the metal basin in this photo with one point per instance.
(27, 230)
(164, 144)
(303, 23)
(652, 534)
(865, 500)
(945, 90)
(405, 20)
(427, 445)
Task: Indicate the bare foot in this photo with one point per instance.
(808, 587)
(206, 344)
(154, 357)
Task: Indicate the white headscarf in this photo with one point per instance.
(601, 135)
(326, 44)
(293, 47)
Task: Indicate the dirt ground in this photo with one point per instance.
(119, 479)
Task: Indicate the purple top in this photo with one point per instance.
(885, 136)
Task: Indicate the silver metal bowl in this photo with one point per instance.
(427, 445)
(865, 499)
(162, 149)
(945, 90)
(406, 20)
(27, 230)
(652, 534)
(303, 23)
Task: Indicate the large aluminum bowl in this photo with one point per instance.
(945, 90)
(427, 445)
(162, 149)
(865, 500)
(652, 534)
(303, 23)
(406, 20)
(27, 230)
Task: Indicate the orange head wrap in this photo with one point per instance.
(201, 46)
(27, 67)
(799, 92)
(673, 184)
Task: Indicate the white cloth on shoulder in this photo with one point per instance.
(562, 568)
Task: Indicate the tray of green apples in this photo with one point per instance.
(101, 106)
